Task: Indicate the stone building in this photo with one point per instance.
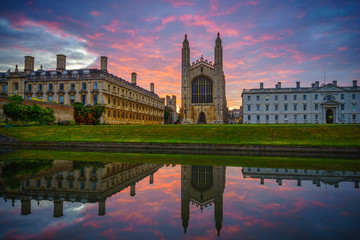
(203, 97)
(125, 102)
(202, 186)
(170, 106)
(328, 103)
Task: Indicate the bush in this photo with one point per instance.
(88, 115)
(34, 113)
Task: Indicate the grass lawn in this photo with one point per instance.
(209, 160)
(300, 135)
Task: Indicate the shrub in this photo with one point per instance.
(88, 115)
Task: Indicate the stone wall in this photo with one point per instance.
(62, 112)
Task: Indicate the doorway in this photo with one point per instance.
(329, 116)
(202, 119)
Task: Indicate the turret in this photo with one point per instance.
(218, 51)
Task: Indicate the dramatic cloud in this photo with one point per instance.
(285, 41)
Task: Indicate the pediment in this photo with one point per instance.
(15, 75)
(330, 88)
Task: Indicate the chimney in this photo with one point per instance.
(261, 85)
(354, 83)
(279, 85)
(29, 64)
(317, 84)
(297, 84)
(313, 85)
(103, 63)
(152, 87)
(133, 78)
(60, 62)
(334, 82)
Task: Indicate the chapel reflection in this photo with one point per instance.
(316, 176)
(77, 182)
(202, 186)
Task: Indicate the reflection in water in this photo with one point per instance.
(77, 182)
(316, 176)
(244, 208)
(202, 186)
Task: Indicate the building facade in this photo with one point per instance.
(328, 103)
(170, 106)
(125, 102)
(203, 97)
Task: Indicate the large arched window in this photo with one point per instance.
(202, 90)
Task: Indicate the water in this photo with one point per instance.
(149, 199)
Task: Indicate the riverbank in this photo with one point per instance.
(255, 135)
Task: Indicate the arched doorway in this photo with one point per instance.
(329, 116)
(202, 119)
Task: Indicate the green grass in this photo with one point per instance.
(295, 135)
(210, 160)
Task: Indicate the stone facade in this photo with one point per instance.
(125, 102)
(171, 107)
(203, 97)
(62, 112)
(328, 103)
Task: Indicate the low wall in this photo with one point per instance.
(62, 112)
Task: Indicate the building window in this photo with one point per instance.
(83, 86)
(39, 97)
(83, 99)
(71, 185)
(93, 186)
(295, 97)
(16, 87)
(249, 108)
(108, 100)
(342, 117)
(316, 117)
(354, 116)
(29, 87)
(48, 184)
(354, 106)
(114, 101)
(249, 117)
(304, 105)
(257, 98)
(50, 86)
(4, 88)
(295, 107)
(257, 107)
(295, 117)
(61, 99)
(285, 107)
(267, 98)
(50, 98)
(353, 96)
(276, 97)
(61, 86)
(267, 107)
(285, 97)
(82, 186)
(59, 184)
(276, 107)
(276, 117)
(72, 86)
(342, 96)
(40, 87)
(72, 99)
(304, 97)
(95, 85)
(342, 106)
(95, 98)
(202, 90)
(316, 97)
(305, 116)
(267, 117)
(258, 117)
(316, 106)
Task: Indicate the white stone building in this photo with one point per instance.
(328, 103)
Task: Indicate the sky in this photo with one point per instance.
(265, 41)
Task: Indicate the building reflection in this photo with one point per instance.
(202, 186)
(316, 176)
(77, 182)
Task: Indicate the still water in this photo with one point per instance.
(56, 198)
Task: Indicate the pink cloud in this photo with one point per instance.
(94, 36)
(112, 26)
(95, 13)
(341, 49)
(180, 3)
(302, 14)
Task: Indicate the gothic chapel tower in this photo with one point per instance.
(203, 97)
